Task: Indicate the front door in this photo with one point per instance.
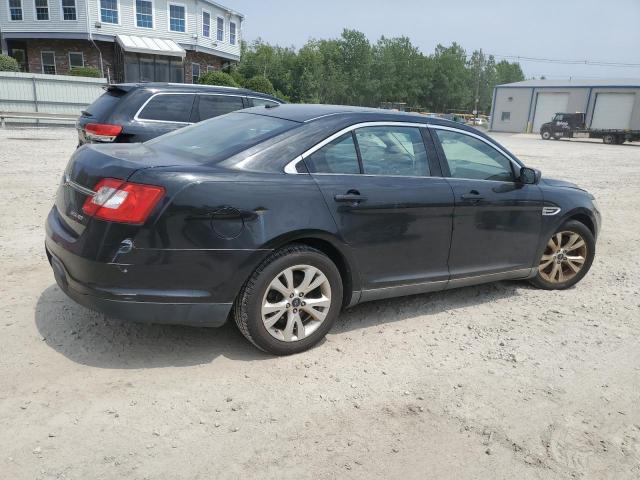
(497, 219)
(396, 217)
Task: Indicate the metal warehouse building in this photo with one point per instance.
(524, 106)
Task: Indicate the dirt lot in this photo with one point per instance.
(495, 381)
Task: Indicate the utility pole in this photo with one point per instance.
(478, 74)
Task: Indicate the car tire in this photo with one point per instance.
(557, 274)
(288, 267)
(609, 139)
(545, 134)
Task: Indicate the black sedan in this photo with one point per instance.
(290, 213)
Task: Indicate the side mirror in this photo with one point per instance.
(530, 176)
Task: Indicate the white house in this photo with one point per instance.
(128, 40)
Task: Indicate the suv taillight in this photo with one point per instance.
(102, 132)
(124, 202)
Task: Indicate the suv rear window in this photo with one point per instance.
(168, 107)
(104, 105)
(221, 137)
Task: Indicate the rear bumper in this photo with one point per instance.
(162, 309)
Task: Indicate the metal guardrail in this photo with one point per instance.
(35, 116)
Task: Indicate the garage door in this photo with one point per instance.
(547, 105)
(613, 110)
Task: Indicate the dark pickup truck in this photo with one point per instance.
(573, 125)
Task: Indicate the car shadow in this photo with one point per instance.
(93, 339)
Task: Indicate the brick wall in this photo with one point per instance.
(62, 49)
(204, 60)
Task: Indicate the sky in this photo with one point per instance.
(594, 30)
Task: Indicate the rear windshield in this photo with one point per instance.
(104, 105)
(221, 137)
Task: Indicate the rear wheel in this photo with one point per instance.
(609, 139)
(291, 300)
(567, 257)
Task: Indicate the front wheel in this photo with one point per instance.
(291, 301)
(545, 134)
(567, 257)
(609, 139)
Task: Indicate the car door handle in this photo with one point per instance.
(350, 198)
(473, 195)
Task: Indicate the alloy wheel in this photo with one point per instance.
(296, 303)
(563, 258)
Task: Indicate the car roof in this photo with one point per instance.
(307, 113)
(186, 87)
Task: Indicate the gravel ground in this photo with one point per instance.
(494, 381)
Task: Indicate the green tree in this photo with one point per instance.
(85, 72)
(8, 64)
(450, 79)
(507, 72)
(260, 83)
(218, 78)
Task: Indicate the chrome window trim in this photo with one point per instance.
(137, 118)
(290, 167)
(488, 142)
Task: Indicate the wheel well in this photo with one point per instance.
(584, 219)
(336, 257)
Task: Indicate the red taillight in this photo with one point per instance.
(102, 132)
(120, 201)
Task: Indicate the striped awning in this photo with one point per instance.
(154, 46)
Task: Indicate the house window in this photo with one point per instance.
(69, 10)
(109, 11)
(76, 60)
(220, 29)
(48, 62)
(232, 33)
(177, 14)
(144, 13)
(195, 72)
(206, 24)
(211, 68)
(506, 116)
(15, 9)
(42, 9)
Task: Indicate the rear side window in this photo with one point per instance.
(168, 108)
(210, 106)
(338, 156)
(104, 105)
(393, 150)
(259, 102)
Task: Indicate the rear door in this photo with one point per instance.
(162, 113)
(497, 219)
(214, 105)
(380, 183)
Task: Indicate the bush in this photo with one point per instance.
(218, 78)
(85, 72)
(8, 64)
(260, 83)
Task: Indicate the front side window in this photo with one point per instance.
(109, 11)
(177, 14)
(15, 9)
(219, 138)
(195, 72)
(232, 33)
(206, 24)
(471, 158)
(69, 10)
(48, 62)
(220, 29)
(76, 59)
(211, 106)
(337, 156)
(144, 13)
(42, 9)
(168, 108)
(392, 150)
